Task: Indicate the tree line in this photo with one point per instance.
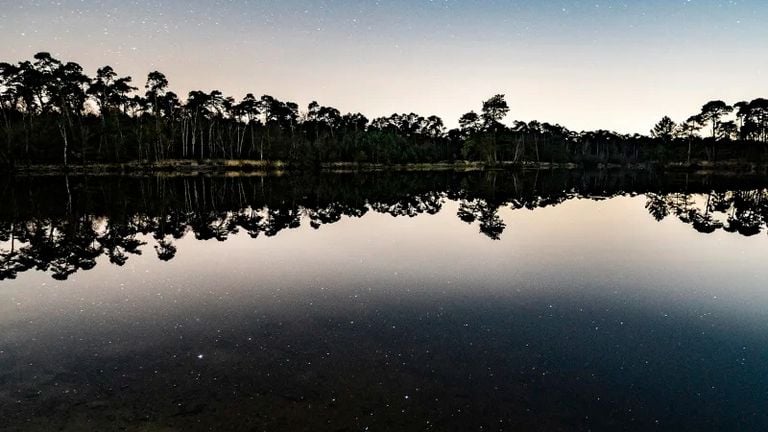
(52, 112)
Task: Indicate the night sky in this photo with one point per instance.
(617, 65)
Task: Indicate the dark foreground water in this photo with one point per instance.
(552, 300)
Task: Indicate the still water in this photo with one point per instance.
(549, 300)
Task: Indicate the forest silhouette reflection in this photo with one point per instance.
(62, 225)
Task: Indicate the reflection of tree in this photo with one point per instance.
(411, 205)
(657, 206)
(744, 212)
(703, 223)
(10, 265)
(278, 219)
(487, 215)
(748, 212)
(251, 221)
(332, 213)
(63, 228)
(118, 240)
(61, 247)
(165, 249)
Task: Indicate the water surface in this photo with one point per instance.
(543, 300)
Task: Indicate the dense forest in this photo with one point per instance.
(53, 113)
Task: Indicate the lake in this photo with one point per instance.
(537, 300)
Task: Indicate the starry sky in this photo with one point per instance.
(607, 64)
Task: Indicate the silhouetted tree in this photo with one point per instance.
(664, 129)
(52, 112)
(712, 112)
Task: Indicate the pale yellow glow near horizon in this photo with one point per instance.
(620, 66)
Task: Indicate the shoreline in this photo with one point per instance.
(256, 167)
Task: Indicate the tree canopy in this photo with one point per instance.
(52, 112)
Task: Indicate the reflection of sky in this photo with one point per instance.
(611, 64)
(596, 251)
(593, 302)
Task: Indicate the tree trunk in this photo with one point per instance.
(63, 131)
(690, 142)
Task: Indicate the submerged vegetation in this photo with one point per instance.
(53, 113)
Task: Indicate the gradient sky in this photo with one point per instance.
(617, 65)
